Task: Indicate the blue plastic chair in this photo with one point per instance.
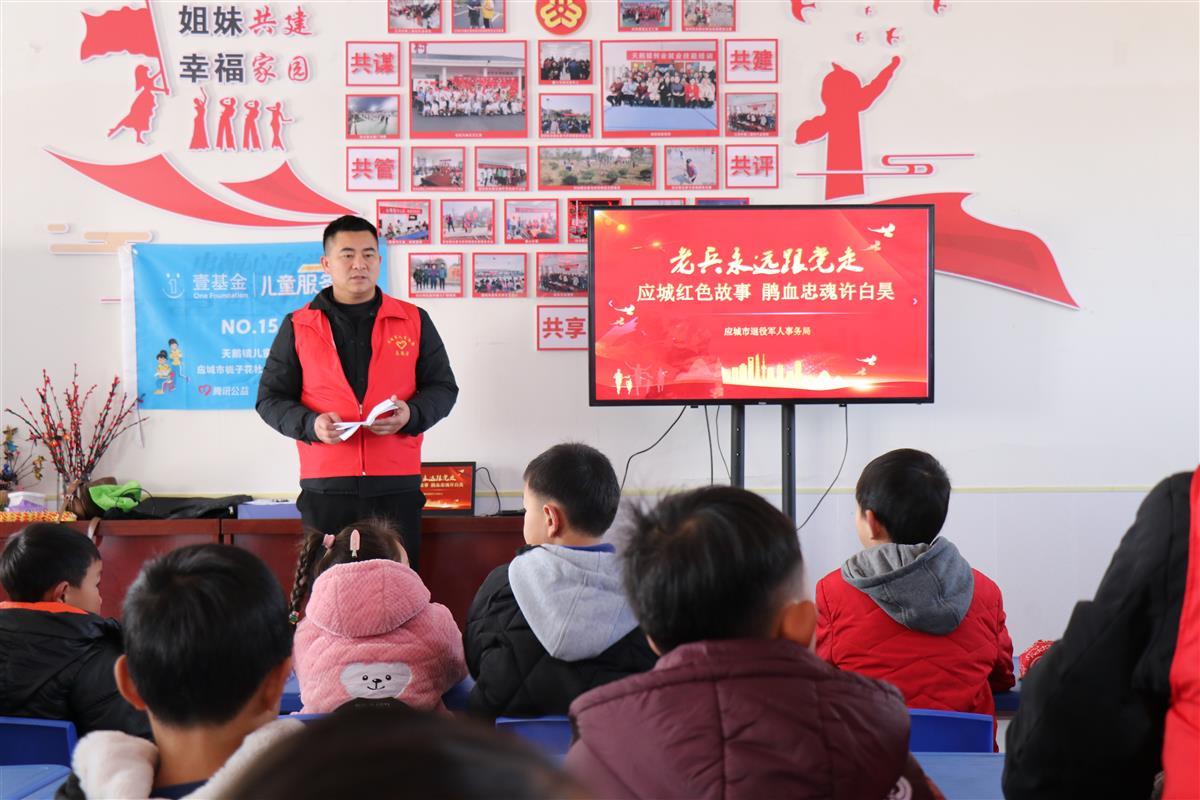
(456, 698)
(32, 782)
(950, 732)
(290, 701)
(24, 740)
(551, 734)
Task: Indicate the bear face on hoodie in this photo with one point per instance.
(370, 631)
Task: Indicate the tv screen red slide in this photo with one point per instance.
(761, 304)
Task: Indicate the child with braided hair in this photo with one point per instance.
(369, 629)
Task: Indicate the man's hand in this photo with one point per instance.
(325, 430)
(392, 423)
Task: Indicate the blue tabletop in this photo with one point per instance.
(18, 782)
(965, 776)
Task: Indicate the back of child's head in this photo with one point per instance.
(711, 563)
(373, 538)
(909, 493)
(581, 481)
(383, 749)
(42, 555)
(204, 627)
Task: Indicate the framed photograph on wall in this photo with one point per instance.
(562, 327)
(414, 16)
(709, 15)
(530, 221)
(754, 114)
(403, 221)
(468, 221)
(694, 167)
(643, 15)
(437, 169)
(577, 216)
(564, 62)
(660, 87)
(478, 16)
(751, 166)
(467, 89)
(722, 201)
(628, 167)
(499, 274)
(435, 274)
(565, 115)
(751, 60)
(372, 116)
(562, 274)
(372, 169)
(372, 63)
(501, 169)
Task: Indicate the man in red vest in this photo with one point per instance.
(334, 360)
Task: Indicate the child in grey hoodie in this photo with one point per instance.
(554, 622)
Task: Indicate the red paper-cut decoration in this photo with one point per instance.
(799, 7)
(1004, 257)
(199, 123)
(226, 140)
(141, 112)
(891, 35)
(844, 98)
(125, 30)
(938, 5)
(250, 139)
(277, 122)
(284, 189)
(158, 183)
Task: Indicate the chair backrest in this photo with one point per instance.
(551, 734)
(455, 699)
(25, 740)
(950, 732)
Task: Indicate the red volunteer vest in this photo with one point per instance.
(395, 341)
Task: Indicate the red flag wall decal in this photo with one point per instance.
(157, 182)
(1005, 257)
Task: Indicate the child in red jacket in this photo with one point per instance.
(909, 609)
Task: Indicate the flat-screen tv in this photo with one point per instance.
(761, 304)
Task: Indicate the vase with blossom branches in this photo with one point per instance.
(57, 424)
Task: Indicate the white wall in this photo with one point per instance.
(1084, 121)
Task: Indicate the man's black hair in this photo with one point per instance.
(347, 224)
(709, 564)
(204, 625)
(39, 556)
(909, 492)
(582, 481)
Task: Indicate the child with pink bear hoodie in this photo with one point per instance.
(369, 629)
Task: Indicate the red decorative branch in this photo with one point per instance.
(73, 453)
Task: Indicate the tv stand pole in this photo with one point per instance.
(737, 445)
(788, 449)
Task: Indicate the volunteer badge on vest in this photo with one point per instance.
(561, 17)
(403, 344)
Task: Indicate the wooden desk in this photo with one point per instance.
(457, 553)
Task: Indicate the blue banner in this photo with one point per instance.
(205, 317)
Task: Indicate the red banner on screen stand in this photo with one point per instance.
(773, 304)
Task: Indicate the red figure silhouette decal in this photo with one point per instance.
(799, 7)
(250, 140)
(142, 111)
(199, 130)
(226, 140)
(277, 122)
(845, 98)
